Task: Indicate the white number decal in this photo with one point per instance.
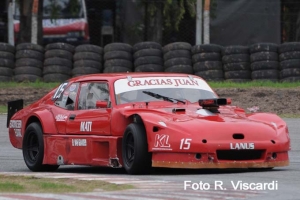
(59, 90)
(185, 143)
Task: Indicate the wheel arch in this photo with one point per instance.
(48, 126)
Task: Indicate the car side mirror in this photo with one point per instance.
(101, 104)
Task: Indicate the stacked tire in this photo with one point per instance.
(87, 60)
(29, 62)
(148, 57)
(236, 63)
(58, 62)
(7, 62)
(264, 62)
(207, 62)
(118, 58)
(177, 58)
(289, 56)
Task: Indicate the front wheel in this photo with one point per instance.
(33, 149)
(136, 158)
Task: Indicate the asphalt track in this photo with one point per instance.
(166, 183)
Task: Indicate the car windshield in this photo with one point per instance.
(58, 9)
(172, 89)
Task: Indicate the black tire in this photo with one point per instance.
(7, 55)
(292, 63)
(235, 49)
(263, 56)
(118, 62)
(55, 78)
(263, 47)
(60, 53)
(147, 52)
(201, 57)
(85, 70)
(58, 61)
(29, 62)
(88, 63)
(211, 74)
(289, 55)
(26, 78)
(206, 48)
(265, 74)
(177, 54)
(57, 69)
(289, 46)
(118, 55)
(89, 48)
(235, 58)
(87, 56)
(207, 65)
(146, 45)
(4, 71)
(116, 69)
(263, 65)
(30, 54)
(291, 79)
(149, 68)
(7, 63)
(177, 46)
(136, 158)
(7, 47)
(236, 66)
(118, 47)
(30, 46)
(177, 61)
(187, 69)
(289, 72)
(28, 70)
(238, 74)
(60, 46)
(5, 78)
(148, 60)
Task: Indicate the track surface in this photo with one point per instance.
(164, 183)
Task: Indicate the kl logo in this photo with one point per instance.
(161, 141)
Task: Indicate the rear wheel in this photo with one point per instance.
(136, 158)
(33, 149)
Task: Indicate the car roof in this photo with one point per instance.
(115, 76)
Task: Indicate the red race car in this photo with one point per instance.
(143, 120)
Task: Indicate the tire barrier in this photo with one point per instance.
(58, 62)
(118, 58)
(29, 62)
(264, 62)
(289, 57)
(177, 58)
(148, 57)
(87, 60)
(236, 63)
(7, 57)
(207, 61)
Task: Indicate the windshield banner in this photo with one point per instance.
(125, 85)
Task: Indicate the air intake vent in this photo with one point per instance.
(238, 136)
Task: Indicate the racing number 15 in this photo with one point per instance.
(185, 143)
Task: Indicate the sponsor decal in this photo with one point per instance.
(61, 118)
(72, 87)
(242, 146)
(161, 142)
(18, 132)
(175, 82)
(86, 126)
(15, 124)
(79, 143)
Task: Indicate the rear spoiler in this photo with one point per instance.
(12, 108)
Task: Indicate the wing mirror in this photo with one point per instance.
(101, 104)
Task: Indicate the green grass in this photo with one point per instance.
(37, 84)
(28, 184)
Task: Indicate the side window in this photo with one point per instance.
(67, 99)
(90, 93)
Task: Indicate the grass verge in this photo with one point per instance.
(30, 184)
